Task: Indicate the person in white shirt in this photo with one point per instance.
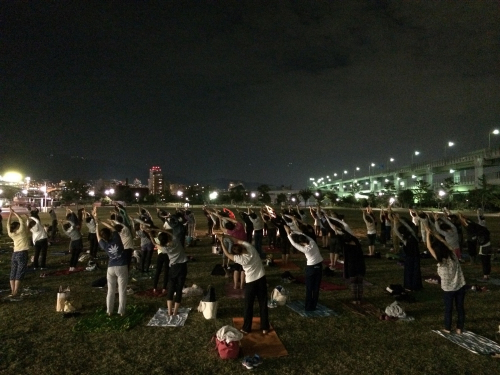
(256, 284)
(313, 272)
(40, 242)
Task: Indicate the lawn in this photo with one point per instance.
(35, 339)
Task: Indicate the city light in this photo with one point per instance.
(12, 177)
(213, 195)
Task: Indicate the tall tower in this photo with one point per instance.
(155, 181)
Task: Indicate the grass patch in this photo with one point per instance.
(99, 321)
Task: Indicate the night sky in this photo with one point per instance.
(266, 91)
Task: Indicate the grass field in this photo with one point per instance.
(35, 339)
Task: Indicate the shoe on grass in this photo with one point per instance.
(256, 360)
(248, 363)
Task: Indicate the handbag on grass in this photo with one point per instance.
(61, 299)
(209, 309)
(280, 296)
(227, 342)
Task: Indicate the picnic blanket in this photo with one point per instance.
(162, 319)
(230, 292)
(320, 312)
(99, 321)
(266, 346)
(324, 285)
(64, 272)
(473, 342)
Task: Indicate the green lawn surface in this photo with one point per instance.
(35, 339)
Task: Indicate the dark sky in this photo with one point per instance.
(274, 92)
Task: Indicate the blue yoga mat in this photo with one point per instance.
(320, 312)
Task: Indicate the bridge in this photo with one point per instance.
(466, 170)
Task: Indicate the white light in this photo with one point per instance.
(357, 168)
(311, 179)
(402, 183)
(213, 195)
(413, 176)
(12, 177)
(372, 164)
(335, 174)
(345, 172)
(496, 131)
(106, 192)
(43, 188)
(293, 199)
(450, 144)
(366, 183)
(111, 191)
(391, 200)
(452, 171)
(91, 193)
(137, 194)
(252, 195)
(442, 193)
(417, 152)
(179, 193)
(391, 160)
(1, 191)
(386, 180)
(25, 192)
(316, 194)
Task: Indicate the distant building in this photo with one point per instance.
(155, 181)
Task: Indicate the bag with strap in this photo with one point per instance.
(227, 342)
(209, 309)
(280, 295)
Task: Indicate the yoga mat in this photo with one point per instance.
(272, 250)
(150, 293)
(59, 253)
(62, 272)
(337, 266)
(230, 292)
(320, 312)
(473, 342)
(99, 321)
(289, 266)
(266, 346)
(324, 285)
(365, 309)
(161, 319)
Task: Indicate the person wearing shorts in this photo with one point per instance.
(19, 233)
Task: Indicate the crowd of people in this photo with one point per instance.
(240, 237)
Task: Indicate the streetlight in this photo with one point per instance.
(370, 169)
(450, 144)
(137, 196)
(494, 131)
(356, 169)
(416, 153)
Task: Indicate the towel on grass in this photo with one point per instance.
(473, 342)
(162, 319)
